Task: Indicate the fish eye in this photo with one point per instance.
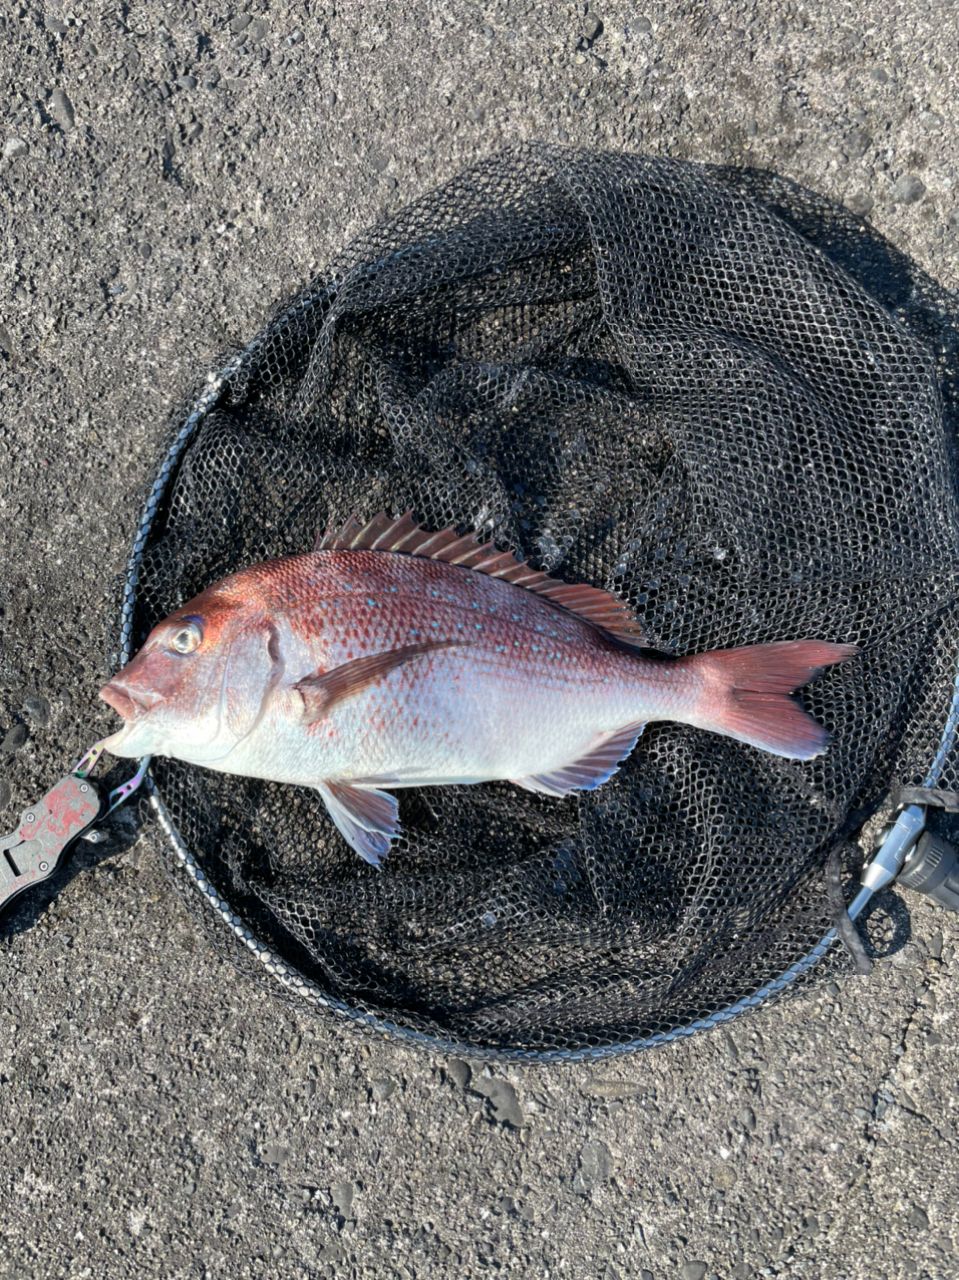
(187, 638)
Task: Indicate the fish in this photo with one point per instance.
(391, 656)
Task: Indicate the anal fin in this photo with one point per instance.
(591, 770)
(368, 820)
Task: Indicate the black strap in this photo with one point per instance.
(934, 796)
(847, 931)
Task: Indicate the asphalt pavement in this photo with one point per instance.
(169, 171)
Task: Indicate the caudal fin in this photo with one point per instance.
(746, 694)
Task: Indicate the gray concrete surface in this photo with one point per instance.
(170, 169)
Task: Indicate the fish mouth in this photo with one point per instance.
(127, 704)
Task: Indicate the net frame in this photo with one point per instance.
(278, 968)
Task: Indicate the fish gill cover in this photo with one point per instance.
(642, 374)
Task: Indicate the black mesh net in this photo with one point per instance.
(649, 376)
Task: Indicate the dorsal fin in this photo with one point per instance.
(403, 534)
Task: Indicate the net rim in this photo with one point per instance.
(288, 975)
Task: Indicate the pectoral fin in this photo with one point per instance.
(324, 689)
(368, 820)
(591, 770)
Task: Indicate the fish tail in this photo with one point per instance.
(745, 694)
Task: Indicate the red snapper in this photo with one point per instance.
(393, 657)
